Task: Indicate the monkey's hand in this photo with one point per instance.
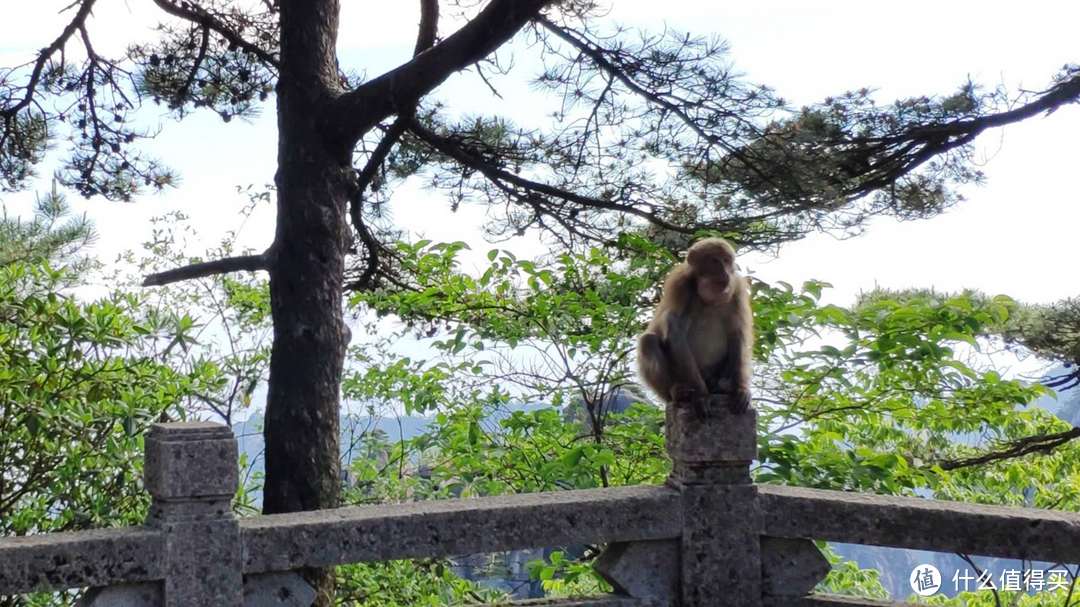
(737, 397)
(739, 401)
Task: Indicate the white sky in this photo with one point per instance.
(1015, 235)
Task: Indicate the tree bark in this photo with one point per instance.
(310, 335)
(306, 266)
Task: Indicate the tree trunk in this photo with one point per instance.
(310, 340)
(310, 335)
(307, 262)
(318, 127)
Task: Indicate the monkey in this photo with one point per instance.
(699, 340)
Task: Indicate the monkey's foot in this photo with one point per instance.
(681, 394)
(737, 401)
(688, 397)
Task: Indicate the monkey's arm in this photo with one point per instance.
(734, 374)
(684, 365)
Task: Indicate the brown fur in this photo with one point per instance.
(699, 340)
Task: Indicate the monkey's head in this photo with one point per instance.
(712, 261)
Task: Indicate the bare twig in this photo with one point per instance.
(491, 87)
(425, 39)
(1040, 443)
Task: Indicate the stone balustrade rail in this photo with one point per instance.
(709, 537)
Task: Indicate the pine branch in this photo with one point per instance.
(615, 72)
(357, 111)
(196, 14)
(508, 181)
(249, 263)
(77, 22)
(425, 39)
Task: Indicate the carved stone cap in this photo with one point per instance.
(721, 438)
(189, 431)
(190, 461)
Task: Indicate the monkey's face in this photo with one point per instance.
(713, 287)
(713, 263)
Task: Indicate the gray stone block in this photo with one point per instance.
(125, 595)
(202, 564)
(791, 567)
(642, 570)
(191, 472)
(721, 548)
(278, 589)
(97, 557)
(190, 459)
(911, 522)
(321, 538)
(720, 437)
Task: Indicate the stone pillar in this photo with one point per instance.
(191, 473)
(720, 551)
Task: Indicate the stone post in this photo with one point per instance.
(720, 551)
(191, 473)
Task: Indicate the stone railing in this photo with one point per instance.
(709, 538)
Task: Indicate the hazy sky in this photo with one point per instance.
(1017, 234)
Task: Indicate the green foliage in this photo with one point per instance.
(892, 395)
(79, 382)
(893, 400)
(530, 451)
(1053, 332)
(51, 235)
(565, 577)
(427, 583)
(846, 578)
(571, 318)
